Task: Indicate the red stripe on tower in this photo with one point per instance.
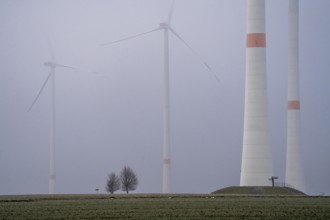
(256, 40)
(167, 161)
(294, 104)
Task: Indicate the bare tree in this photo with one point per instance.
(113, 183)
(129, 180)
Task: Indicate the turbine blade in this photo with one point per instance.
(194, 52)
(187, 45)
(42, 88)
(60, 65)
(171, 12)
(77, 68)
(50, 48)
(131, 37)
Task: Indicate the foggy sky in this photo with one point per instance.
(114, 118)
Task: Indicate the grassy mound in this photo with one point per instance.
(259, 190)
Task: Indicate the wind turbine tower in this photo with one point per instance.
(256, 167)
(167, 28)
(294, 175)
(51, 76)
(166, 110)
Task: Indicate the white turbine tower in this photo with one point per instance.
(166, 27)
(51, 76)
(256, 168)
(294, 175)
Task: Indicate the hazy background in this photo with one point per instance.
(114, 118)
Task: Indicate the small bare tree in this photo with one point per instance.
(113, 183)
(129, 180)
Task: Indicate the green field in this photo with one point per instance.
(176, 206)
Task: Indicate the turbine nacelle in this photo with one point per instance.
(53, 65)
(50, 64)
(164, 25)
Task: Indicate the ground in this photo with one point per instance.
(160, 206)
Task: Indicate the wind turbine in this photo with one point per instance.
(52, 64)
(294, 175)
(166, 27)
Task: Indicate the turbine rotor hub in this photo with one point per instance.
(50, 64)
(164, 25)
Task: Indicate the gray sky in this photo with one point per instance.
(106, 122)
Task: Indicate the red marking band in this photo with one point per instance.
(256, 40)
(167, 161)
(52, 177)
(293, 105)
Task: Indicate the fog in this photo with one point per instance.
(113, 116)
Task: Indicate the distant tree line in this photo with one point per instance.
(127, 181)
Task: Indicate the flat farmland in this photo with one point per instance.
(173, 206)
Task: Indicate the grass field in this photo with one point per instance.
(176, 206)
